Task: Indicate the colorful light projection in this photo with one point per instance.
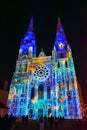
(45, 85)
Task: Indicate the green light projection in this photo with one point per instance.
(45, 85)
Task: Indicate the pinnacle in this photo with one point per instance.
(42, 53)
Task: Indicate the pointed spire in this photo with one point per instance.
(59, 26)
(60, 42)
(60, 35)
(30, 28)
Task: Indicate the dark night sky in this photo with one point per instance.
(14, 22)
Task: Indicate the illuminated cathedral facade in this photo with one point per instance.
(44, 85)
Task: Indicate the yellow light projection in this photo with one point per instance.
(61, 45)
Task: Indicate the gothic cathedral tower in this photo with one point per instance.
(44, 85)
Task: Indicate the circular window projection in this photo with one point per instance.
(41, 73)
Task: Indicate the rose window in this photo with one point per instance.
(41, 73)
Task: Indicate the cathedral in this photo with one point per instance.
(44, 85)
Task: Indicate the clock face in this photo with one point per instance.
(41, 73)
(61, 45)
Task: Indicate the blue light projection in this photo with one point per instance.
(44, 85)
(29, 41)
(60, 40)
